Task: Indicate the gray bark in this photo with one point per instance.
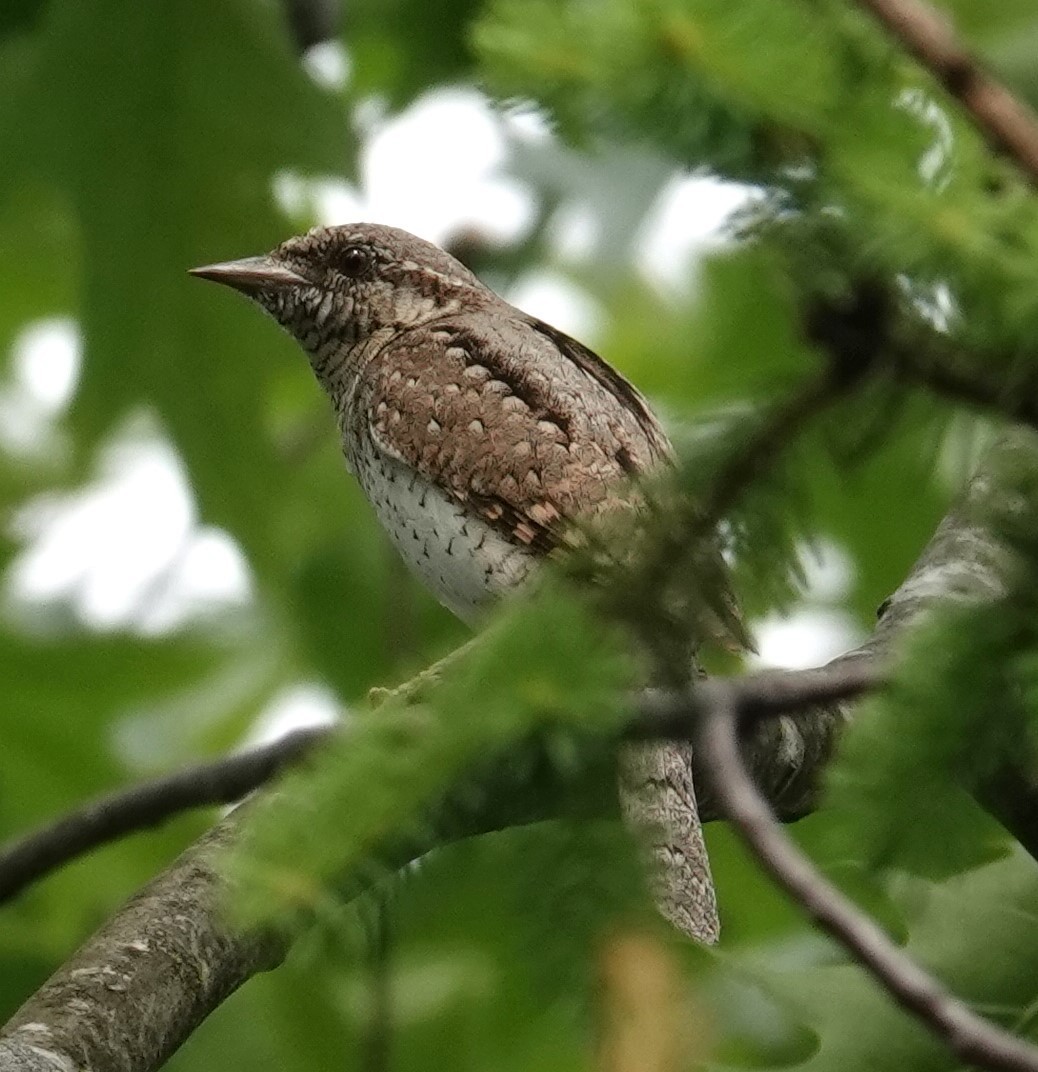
(140, 986)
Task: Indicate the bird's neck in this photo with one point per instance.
(339, 362)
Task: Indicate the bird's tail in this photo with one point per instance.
(658, 802)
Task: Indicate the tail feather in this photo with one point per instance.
(658, 802)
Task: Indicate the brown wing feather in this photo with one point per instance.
(485, 420)
(621, 389)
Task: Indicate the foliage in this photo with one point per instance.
(555, 670)
(139, 140)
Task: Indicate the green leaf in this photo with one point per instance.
(900, 782)
(544, 665)
(152, 137)
(401, 48)
(977, 933)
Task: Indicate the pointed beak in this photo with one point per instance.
(251, 274)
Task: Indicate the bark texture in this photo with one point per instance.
(135, 991)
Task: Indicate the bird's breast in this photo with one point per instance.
(463, 560)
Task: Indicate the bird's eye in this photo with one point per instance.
(353, 261)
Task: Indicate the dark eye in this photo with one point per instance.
(353, 261)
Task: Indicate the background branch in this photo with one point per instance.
(1009, 125)
(313, 21)
(871, 328)
(108, 818)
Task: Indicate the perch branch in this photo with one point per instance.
(659, 713)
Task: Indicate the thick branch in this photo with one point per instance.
(146, 980)
(142, 984)
(1006, 122)
(965, 561)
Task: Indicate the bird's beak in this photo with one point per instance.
(251, 274)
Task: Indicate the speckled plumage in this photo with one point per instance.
(477, 433)
(471, 404)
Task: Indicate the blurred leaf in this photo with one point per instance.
(977, 933)
(737, 338)
(543, 664)
(401, 47)
(16, 16)
(153, 158)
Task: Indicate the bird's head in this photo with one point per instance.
(336, 288)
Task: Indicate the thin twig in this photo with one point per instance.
(776, 430)
(140, 807)
(378, 1034)
(915, 352)
(1013, 400)
(663, 713)
(971, 1038)
(658, 713)
(1006, 122)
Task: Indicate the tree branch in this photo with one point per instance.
(1006, 122)
(140, 986)
(663, 713)
(971, 1038)
(108, 818)
(659, 713)
(145, 981)
(77, 1016)
(313, 21)
(872, 327)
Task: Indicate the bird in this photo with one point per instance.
(480, 435)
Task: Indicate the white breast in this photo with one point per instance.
(465, 562)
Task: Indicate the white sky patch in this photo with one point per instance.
(526, 123)
(819, 629)
(328, 64)
(433, 170)
(439, 165)
(808, 637)
(305, 704)
(208, 573)
(576, 232)
(46, 358)
(828, 571)
(687, 218)
(45, 361)
(126, 551)
(329, 201)
(556, 300)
